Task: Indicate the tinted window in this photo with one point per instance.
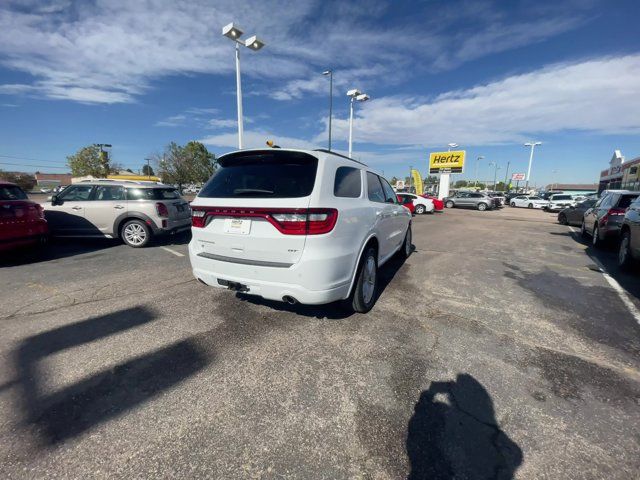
(265, 174)
(374, 188)
(475, 195)
(390, 195)
(109, 192)
(152, 194)
(76, 193)
(555, 198)
(348, 182)
(11, 192)
(607, 201)
(626, 200)
(535, 198)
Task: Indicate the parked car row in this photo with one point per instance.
(479, 201)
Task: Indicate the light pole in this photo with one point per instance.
(506, 174)
(234, 33)
(443, 186)
(356, 95)
(475, 183)
(330, 73)
(495, 174)
(533, 146)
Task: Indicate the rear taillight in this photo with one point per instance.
(613, 212)
(298, 221)
(162, 210)
(40, 211)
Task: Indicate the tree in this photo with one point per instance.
(461, 184)
(90, 160)
(25, 181)
(147, 170)
(394, 180)
(179, 165)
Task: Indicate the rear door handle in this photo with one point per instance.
(76, 208)
(119, 207)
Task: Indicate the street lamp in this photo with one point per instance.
(495, 174)
(330, 73)
(356, 96)
(475, 183)
(253, 43)
(533, 146)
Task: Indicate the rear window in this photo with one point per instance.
(265, 174)
(152, 194)
(348, 182)
(11, 192)
(626, 200)
(561, 197)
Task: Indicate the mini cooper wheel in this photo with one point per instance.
(625, 260)
(366, 287)
(482, 206)
(136, 234)
(449, 204)
(420, 209)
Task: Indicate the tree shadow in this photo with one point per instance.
(453, 433)
(57, 249)
(76, 408)
(331, 311)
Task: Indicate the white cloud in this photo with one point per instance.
(112, 51)
(256, 139)
(224, 122)
(173, 121)
(600, 95)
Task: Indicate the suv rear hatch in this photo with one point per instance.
(255, 209)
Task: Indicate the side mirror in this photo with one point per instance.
(54, 200)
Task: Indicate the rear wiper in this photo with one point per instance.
(244, 191)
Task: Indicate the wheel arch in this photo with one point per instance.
(125, 217)
(371, 240)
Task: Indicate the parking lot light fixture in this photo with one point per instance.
(234, 33)
(475, 182)
(356, 96)
(533, 146)
(330, 74)
(451, 145)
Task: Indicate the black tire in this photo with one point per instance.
(625, 259)
(362, 301)
(407, 245)
(449, 204)
(562, 219)
(482, 206)
(530, 205)
(421, 209)
(583, 229)
(513, 204)
(595, 237)
(136, 233)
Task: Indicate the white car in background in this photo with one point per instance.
(529, 201)
(560, 202)
(297, 226)
(422, 205)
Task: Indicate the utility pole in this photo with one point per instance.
(148, 169)
(330, 73)
(506, 175)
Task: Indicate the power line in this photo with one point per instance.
(33, 159)
(30, 165)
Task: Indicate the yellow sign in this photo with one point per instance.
(446, 162)
(417, 181)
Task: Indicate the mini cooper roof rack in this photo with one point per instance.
(324, 150)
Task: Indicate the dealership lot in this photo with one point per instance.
(499, 346)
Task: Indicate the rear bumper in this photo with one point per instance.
(173, 226)
(310, 281)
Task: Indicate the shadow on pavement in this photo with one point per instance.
(453, 433)
(331, 311)
(607, 256)
(76, 408)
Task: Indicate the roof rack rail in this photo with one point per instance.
(324, 150)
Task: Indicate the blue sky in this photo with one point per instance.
(488, 75)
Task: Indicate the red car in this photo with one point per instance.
(22, 221)
(438, 205)
(408, 204)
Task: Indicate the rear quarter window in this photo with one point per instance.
(12, 192)
(152, 194)
(626, 200)
(262, 174)
(348, 182)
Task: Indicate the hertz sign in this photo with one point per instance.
(446, 162)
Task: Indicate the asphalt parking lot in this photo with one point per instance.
(499, 349)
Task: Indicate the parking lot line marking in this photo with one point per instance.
(177, 254)
(613, 283)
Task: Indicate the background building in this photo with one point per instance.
(611, 178)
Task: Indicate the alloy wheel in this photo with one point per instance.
(135, 234)
(369, 284)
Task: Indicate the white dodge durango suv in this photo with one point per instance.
(297, 226)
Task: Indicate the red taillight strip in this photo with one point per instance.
(289, 228)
